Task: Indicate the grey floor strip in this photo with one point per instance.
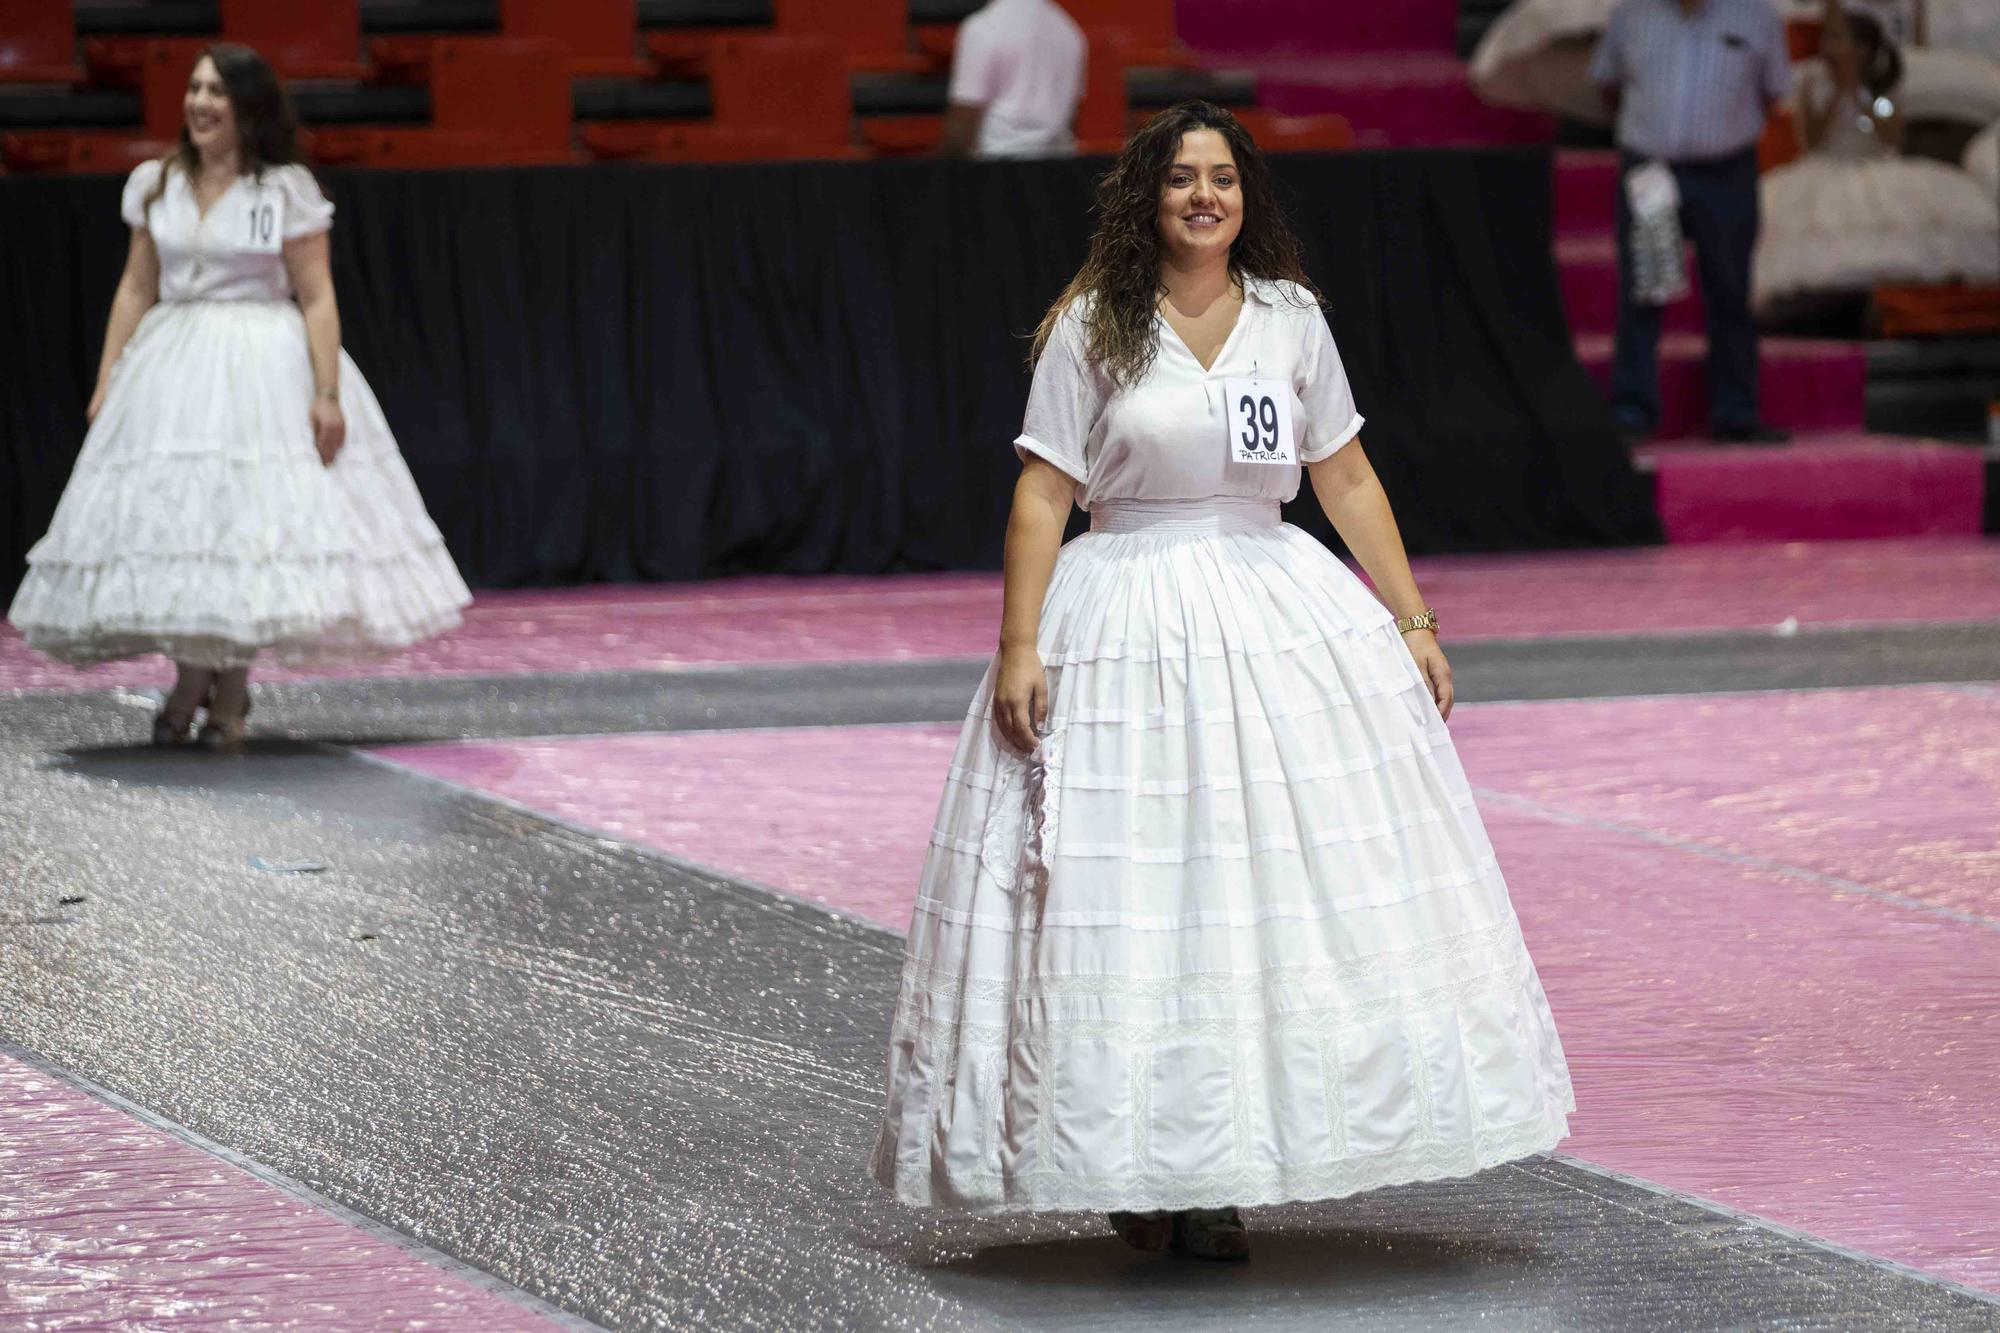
(645, 1093)
(380, 712)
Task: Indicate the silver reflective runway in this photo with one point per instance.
(644, 1093)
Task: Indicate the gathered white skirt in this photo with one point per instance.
(1234, 934)
(200, 523)
(1836, 224)
(1536, 56)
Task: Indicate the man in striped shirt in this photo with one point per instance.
(1692, 82)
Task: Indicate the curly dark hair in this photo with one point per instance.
(1121, 277)
(267, 129)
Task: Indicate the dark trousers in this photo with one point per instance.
(1719, 214)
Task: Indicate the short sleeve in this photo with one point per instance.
(138, 188)
(1607, 62)
(972, 66)
(307, 210)
(1321, 384)
(1064, 403)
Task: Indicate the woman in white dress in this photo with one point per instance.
(1208, 918)
(1852, 213)
(1536, 56)
(238, 491)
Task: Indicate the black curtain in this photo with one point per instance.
(640, 372)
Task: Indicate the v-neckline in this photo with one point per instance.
(1242, 307)
(194, 193)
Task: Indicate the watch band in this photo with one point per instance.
(1425, 619)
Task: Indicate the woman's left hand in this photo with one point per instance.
(1423, 646)
(329, 429)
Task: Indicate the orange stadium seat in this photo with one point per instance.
(121, 62)
(80, 150)
(1955, 310)
(1103, 116)
(706, 142)
(601, 36)
(408, 147)
(515, 87)
(494, 101)
(1274, 133)
(895, 136)
(773, 98)
(164, 66)
(935, 42)
(1780, 143)
(874, 35)
(1802, 38)
(793, 86)
(318, 40)
(685, 50)
(38, 42)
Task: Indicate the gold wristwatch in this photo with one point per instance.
(1426, 619)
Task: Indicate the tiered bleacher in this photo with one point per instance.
(95, 85)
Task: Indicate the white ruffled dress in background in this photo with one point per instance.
(1234, 933)
(1852, 213)
(199, 521)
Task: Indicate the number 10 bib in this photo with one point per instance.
(1260, 421)
(261, 222)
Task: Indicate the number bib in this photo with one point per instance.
(260, 223)
(1260, 421)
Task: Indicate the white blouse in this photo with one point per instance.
(1167, 437)
(234, 252)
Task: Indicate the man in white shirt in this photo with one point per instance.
(1016, 78)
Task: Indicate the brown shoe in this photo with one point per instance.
(224, 735)
(170, 731)
(1143, 1231)
(1216, 1234)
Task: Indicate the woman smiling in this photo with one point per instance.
(1209, 918)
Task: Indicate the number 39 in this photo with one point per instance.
(1260, 422)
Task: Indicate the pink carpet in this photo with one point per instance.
(1315, 27)
(1394, 99)
(749, 621)
(1818, 489)
(1769, 924)
(1587, 267)
(1584, 202)
(1804, 384)
(111, 1224)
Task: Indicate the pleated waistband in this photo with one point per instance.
(1214, 515)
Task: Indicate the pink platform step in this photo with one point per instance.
(1585, 204)
(1588, 268)
(1314, 27)
(1397, 99)
(1806, 384)
(1837, 487)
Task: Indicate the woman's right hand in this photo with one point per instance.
(1020, 698)
(96, 406)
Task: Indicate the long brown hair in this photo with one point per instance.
(267, 129)
(1880, 62)
(1121, 278)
